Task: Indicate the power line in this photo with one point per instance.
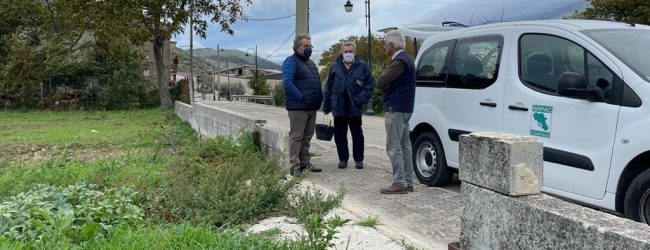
(276, 50)
(266, 19)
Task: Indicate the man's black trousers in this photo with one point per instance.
(341, 125)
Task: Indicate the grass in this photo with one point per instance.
(369, 221)
(134, 170)
(123, 129)
(192, 188)
(166, 236)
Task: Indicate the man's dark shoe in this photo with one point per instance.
(358, 165)
(295, 171)
(343, 164)
(313, 168)
(409, 188)
(394, 189)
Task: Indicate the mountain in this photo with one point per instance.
(236, 58)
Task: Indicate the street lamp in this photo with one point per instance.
(348, 8)
(255, 60)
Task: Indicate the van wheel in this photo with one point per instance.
(637, 198)
(429, 161)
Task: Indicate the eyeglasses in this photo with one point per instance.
(348, 51)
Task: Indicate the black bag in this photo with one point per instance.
(324, 132)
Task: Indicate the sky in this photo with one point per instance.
(329, 22)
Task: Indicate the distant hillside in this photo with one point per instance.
(208, 57)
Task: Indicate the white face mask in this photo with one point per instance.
(348, 57)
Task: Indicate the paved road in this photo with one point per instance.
(429, 218)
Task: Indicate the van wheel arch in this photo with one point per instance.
(422, 128)
(633, 169)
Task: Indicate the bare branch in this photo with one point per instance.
(503, 12)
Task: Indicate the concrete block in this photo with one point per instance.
(183, 111)
(494, 221)
(508, 164)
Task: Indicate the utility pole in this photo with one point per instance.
(256, 72)
(302, 17)
(228, 75)
(370, 110)
(191, 83)
(201, 83)
(218, 73)
(216, 79)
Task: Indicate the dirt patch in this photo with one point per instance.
(31, 154)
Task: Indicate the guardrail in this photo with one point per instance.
(254, 98)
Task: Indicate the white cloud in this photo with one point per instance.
(330, 22)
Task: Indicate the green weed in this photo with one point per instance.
(369, 221)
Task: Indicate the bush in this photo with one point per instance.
(259, 85)
(119, 73)
(233, 89)
(278, 95)
(377, 94)
(310, 207)
(21, 76)
(225, 182)
(314, 202)
(67, 214)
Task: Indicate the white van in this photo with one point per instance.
(581, 87)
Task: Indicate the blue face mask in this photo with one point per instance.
(307, 52)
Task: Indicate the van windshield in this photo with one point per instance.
(629, 45)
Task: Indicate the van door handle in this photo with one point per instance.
(518, 108)
(488, 104)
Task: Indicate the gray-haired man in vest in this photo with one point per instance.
(398, 84)
(304, 95)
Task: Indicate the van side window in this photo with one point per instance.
(432, 67)
(543, 58)
(475, 63)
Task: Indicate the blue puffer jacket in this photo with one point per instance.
(301, 83)
(357, 82)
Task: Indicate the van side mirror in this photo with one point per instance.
(574, 85)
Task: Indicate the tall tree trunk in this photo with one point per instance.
(165, 99)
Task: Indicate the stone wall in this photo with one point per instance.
(184, 111)
(212, 121)
(503, 209)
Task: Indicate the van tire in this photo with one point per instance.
(429, 161)
(637, 198)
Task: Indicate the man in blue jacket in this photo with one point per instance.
(349, 87)
(302, 85)
(398, 84)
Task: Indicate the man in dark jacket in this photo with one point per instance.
(304, 96)
(349, 86)
(398, 84)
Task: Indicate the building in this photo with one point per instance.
(244, 73)
(150, 71)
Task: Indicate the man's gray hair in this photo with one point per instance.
(396, 38)
(298, 40)
(349, 44)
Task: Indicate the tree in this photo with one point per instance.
(160, 19)
(20, 76)
(632, 11)
(379, 57)
(259, 85)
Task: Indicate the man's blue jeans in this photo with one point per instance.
(398, 147)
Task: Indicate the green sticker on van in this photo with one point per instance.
(540, 121)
